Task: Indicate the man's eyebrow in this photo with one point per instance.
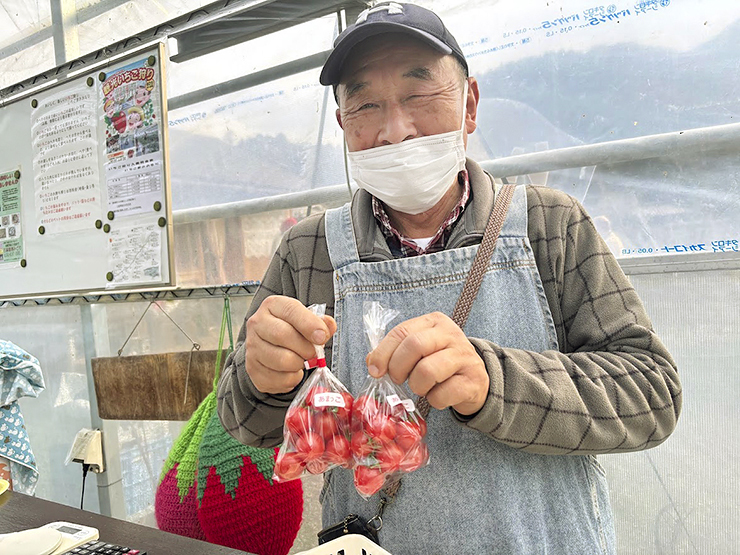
(423, 73)
(351, 89)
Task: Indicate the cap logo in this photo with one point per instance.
(392, 8)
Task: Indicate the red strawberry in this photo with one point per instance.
(119, 121)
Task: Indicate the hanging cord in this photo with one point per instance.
(135, 326)
(225, 323)
(195, 346)
(227, 309)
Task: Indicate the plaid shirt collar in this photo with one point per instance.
(402, 246)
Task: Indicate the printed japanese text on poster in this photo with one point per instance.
(134, 185)
(65, 161)
(131, 114)
(11, 242)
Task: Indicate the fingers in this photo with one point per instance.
(407, 343)
(331, 324)
(311, 327)
(451, 378)
(280, 335)
(437, 360)
(276, 358)
(430, 371)
(275, 332)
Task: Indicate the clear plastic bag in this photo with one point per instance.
(388, 433)
(316, 433)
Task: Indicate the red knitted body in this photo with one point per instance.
(173, 515)
(239, 505)
(261, 518)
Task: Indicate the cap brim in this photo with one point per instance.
(332, 69)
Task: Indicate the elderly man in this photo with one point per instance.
(556, 363)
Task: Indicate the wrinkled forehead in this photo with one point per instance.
(393, 52)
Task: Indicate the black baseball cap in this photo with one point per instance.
(390, 17)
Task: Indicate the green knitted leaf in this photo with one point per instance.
(264, 460)
(184, 452)
(221, 451)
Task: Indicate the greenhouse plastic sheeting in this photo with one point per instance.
(682, 497)
(556, 75)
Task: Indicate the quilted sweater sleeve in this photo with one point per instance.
(613, 385)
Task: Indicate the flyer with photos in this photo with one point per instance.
(132, 117)
(11, 243)
(130, 104)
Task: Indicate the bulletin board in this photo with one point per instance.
(84, 183)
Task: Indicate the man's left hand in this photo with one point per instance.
(437, 360)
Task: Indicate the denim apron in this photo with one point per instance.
(477, 495)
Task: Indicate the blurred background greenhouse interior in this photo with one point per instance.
(632, 107)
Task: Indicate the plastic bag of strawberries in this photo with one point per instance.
(388, 433)
(316, 433)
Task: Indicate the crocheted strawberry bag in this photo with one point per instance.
(214, 488)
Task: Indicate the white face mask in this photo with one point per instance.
(412, 176)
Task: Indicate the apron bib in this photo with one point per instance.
(476, 495)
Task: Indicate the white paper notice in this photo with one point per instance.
(135, 254)
(134, 185)
(65, 161)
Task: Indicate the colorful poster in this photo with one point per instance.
(135, 254)
(65, 161)
(131, 112)
(11, 242)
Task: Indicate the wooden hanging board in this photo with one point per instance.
(152, 387)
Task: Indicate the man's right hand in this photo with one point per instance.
(280, 336)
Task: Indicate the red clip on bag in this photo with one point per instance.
(316, 432)
(388, 433)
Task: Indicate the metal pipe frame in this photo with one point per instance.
(187, 21)
(334, 195)
(44, 33)
(247, 81)
(64, 25)
(674, 144)
(246, 288)
(705, 139)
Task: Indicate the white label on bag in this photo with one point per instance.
(328, 400)
(394, 400)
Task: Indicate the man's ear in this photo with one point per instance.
(471, 105)
(339, 118)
